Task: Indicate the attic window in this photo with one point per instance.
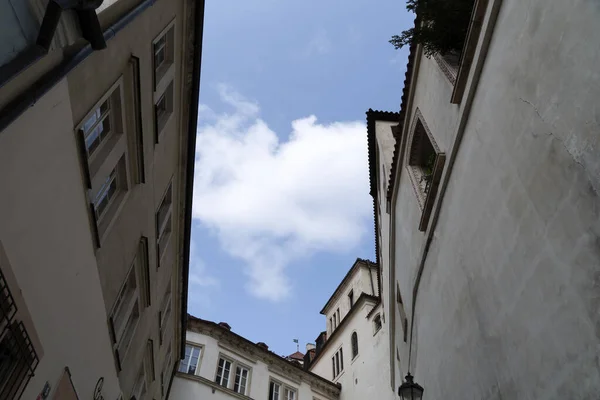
(425, 164)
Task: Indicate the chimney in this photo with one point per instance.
(309, 346)
(309, 357)
(225, 325)
(262, 345)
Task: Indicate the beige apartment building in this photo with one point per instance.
(98, 114)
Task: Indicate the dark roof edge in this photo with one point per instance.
(267, 352)
(362, 298)
(357, 263)
(191, 162)
(403, 105)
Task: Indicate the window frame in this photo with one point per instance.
(354, 345)
(165, 312)
(164, 229)
(338, 362)
(165, 369)
(351, 298)
(140, 386)
(377, 323)
(122, 336)
(231, 381)
(193, 347)
(219, 379)
(281, 390)
(420, 131)
(163, 71)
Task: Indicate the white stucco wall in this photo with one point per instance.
(507, 305)
(186, 388)
(46, 234)
(364, 280)
(367, 375)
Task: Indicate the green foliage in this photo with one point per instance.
(443, 27)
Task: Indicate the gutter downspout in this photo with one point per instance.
(191, 162)
(464, 118)
(15, 108)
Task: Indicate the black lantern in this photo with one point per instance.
(410, 390)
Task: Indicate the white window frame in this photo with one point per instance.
(164, 228)
(235, 376)
(163, 71)
(127, 309)
(107, 167)
(234, 365)
(338, 362)
(283, 391)
(221, 379)
(165, 312)
(185, 364)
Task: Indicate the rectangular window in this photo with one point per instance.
(164, 222)
(163, 51)
(141, 262)
(189, 365)
(351, 298)
(163, 110)
(223, 372)
(274, 389)
(290, 394)
(164, 376)
(337, 362)
(106, 193)
(333, 374)
(149, 359)
(165, 313)
(125, 316)
(96, 128)
(338, 316)
(139, 388)
(241, 380)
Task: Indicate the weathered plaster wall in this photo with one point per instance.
(46, 234)
(508, 302)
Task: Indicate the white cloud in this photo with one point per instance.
(272, 202)
(200, 281)
(319, 44)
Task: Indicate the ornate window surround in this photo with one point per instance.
(424, 199)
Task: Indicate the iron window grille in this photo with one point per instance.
(18, 358)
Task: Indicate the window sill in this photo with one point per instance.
(354, 359)
(337, 378)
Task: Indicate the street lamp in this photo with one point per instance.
(410, 390)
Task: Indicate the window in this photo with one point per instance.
(290, 394)
(96, 129)
(354, 342)
(163, 51)
(164, 313)
(163, 221)
(18, 356)
(351, 298)
(338, 362)
(279, 391)
(139, 388)
(164, 376)
(223, 372)
(142, 265)
(163, 110)
(403, 317)
(189, 365)
(425, 163)
(149, 359)
(377, 323)
(241, 380)
(338, 317)
(334, 323)
(105, 151)
(274, 389)
(125, 316)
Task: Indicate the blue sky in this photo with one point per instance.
(281, 204)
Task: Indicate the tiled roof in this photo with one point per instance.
(402, 115)
(297, 356)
